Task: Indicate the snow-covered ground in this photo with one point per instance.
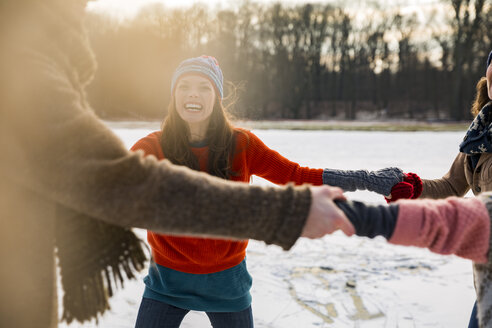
(339, 281)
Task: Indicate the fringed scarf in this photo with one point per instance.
(93, 257)
(478, 138)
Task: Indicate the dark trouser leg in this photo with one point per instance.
(155, 314)
(241, 319)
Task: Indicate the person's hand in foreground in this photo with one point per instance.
(324, 216)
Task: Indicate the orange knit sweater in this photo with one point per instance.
(252, 157)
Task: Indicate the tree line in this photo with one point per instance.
(310, 61)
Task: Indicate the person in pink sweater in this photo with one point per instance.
(454, 225)
(459, 226)
(472, 167)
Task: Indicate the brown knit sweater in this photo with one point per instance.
(56, 153)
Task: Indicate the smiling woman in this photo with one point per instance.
(195, 100)
(190, 273)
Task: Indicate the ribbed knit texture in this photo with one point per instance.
(449, 226)
(223, 291)
(380, 181)
(252, 157)
(370, 220)
(207, 66)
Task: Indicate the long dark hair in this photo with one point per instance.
(481, 97)
(175, 141)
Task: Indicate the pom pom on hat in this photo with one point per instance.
(204, 65)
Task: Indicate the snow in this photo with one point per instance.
(338, 281)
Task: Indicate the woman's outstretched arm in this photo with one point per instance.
(269, 164)
(459, 226)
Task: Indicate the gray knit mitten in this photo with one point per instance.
(482, 273)
(380, 181)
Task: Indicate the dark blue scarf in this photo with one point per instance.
(478, 138)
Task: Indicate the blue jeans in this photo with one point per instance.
(473, 317)
(155, 314)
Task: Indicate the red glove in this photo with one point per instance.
(416, 182)
(409, 188)
(401, 190)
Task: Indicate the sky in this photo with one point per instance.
(128, 8)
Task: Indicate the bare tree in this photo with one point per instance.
(468, 15)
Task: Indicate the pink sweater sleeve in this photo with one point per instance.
(459, 226)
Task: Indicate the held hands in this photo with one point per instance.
(324, 216)
(409, 188)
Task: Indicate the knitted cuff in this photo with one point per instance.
(380, 181)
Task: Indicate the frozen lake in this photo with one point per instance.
(339, 281)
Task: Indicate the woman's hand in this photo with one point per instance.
(324, 216)
(409, 188)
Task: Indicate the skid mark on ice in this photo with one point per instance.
(362, 312)
(329, 307)
(327, 311)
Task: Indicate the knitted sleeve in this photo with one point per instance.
(66, 154)
(381, 181)
(453, 183)
(370, 220)
(459, 226)
(269, 164)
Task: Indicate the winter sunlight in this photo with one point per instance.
(339, 281)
